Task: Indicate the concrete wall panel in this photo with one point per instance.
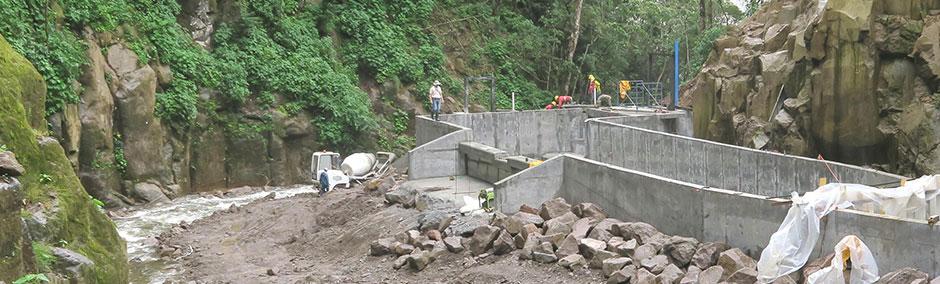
(531, 186)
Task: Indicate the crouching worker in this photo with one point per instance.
(324, 182)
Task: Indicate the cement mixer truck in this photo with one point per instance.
(357, 167)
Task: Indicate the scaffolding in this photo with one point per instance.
(644, 94)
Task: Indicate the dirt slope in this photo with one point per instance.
(306, 239)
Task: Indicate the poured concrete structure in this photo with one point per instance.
(627, 163)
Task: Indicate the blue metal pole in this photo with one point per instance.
(675, 84)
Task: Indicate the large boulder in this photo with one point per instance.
(382, 247)
(568, 247)
(482, 239)
(504, 243)
(644, 233)
(434, 220)
(711, 275)
(611, 265)
(734, 261)
(9, 166)
(572, 262)
(903, 275)
(680, 249)
(404, 195)
(589, 210)
(588, 247)
(554, 208)
(560, 225)
(517, 221)
(580, 228)
(707, 254)
(149, 192)
(72, 263)
(670, 275)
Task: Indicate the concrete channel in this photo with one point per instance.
(643, 166)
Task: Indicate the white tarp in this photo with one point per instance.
(790, 247)
(864, 269)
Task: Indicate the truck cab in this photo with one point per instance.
(330, 162)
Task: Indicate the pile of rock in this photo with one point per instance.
(418, 248)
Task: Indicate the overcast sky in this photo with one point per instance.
(740, 4)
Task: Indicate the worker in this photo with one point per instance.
(559, 102)
(436, 96)
(324, 182)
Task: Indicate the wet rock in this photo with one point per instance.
(672, 274)
(622, 276)
(453, 244)
(382, 247)
(554, 208)
(655, 264)
(707, 254)
(71, 262)
(611, 265)
(734, 260)
(9, 166)
(404, 195)
(482, 239)
(528, 209)
(643, 276)
(503, 243)
(588, 247)
(903, 275)
(434, 220)
(515, 223)
(597, 261)
(148, 192)
(589, 210)
(711, 275)
(569, 246)
(572, 262)
(680, 249)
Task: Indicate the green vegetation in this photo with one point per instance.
(32, 279)
(43, 255)
(45, 178)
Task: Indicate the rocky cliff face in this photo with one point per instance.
(853, 80)
(47, 221)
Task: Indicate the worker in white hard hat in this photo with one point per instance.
(436, 96)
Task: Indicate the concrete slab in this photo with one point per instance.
(450, 189)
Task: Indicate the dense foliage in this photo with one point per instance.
(293, 55)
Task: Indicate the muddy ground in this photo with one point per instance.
(310, 239)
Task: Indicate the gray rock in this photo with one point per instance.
(600, 234)
(434, 220)
(643, 276)
(482, 239)
(644, 233)
(9, 166)
(672, 274)
(404, 195)
(382, 247)
(453, 244)
(691, 276)
(903, 275)
(626, 248)
(613, 242)
(569, 246)
(408, 237)
(655, 264)
(544, 257)
(554, 208)
(746, 275)
(554, 239)
(622, 276)
(817, 264)
(611, 265)
(707, 254)
(560, 225)
(531, 243)
(518, 241)
(403, 249)
(581, 227)
(425, 243)
(597, 262)
(644, 252)
(464, 226)
(503, 243)
(148, 192)
(419, 260)
(515, 223)
(606, 225)
(589, 210)
(425, 201)
(71, 262)
(572, 262)
(588, 247)
(680, 250)
(711, 275)
(400, 262)
(734, 260)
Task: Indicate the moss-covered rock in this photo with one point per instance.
(49, 182)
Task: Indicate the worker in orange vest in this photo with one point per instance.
(559, 102)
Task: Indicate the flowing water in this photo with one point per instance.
(140, 227)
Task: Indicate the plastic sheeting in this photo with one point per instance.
(864, 269)
(790, 247)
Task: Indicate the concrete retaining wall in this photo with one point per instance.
(742, 220)
(437, 152)
(527, 133)
(489, 163)
(715, 164)
(541, 182)
(679, 123)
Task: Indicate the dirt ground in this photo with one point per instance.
(310, 239)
